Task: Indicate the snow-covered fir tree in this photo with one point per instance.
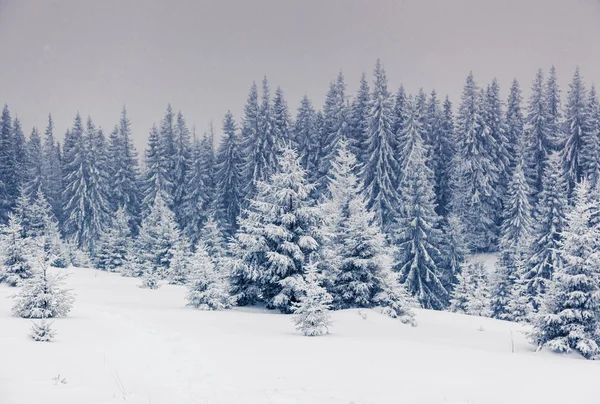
(306, 138)
(335, 128)
(538, 132)
(15, 266)
(441, 149)
(380, 171)
(417, 233)
(471, 294)
(44, 294)
(569, 320)
(356, 256)
(157, 173)
(124, 172)
(590, 147)
(159, 237)
(282, 120)
(181, 166)
(576, 131)
(494, 121)
(475, 175)
(514, 244)
(86, 207)
(115, 243)
(544, 255)
(454, 250)
(208, 288)
(228, 174)
(276, 238)
(515, 123)
(42, 331)
(52, 171)
(196, 204)
(179, 267)
(19, 144)
(249, 139)
(311, 313)
(359, 120)
(553, 105)
(34, 165)
(7, 166)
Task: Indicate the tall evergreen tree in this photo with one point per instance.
(229, 177)
(181, 167)
(417, 232)
(34, 164)
(52, 180)
(15, 266)
(335, 127)
(380, 172)
(156, 176)
(250, 140)
(572, 310)
(590, 144)
(359, 122)
(20, 156)
(306, 134)
(515, 123)
(7, 166)
(124, 172)
(282, 120)
(576, 131)
(196, 206)
(539, 135)
(545, 258)
(276, 238)
(475, 176)
(86, 193)
(358, 262)
(553, 105)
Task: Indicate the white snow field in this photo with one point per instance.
(123, 344)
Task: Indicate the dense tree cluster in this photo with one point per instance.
(376, 199)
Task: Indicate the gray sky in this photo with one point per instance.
(64, 56)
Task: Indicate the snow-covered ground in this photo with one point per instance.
(123, 344)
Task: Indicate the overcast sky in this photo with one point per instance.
(64, 56)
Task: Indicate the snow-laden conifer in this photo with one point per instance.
(311, 313)
(208, 288)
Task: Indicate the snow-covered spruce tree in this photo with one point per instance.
(15, 266)
(553, 104)
(454, 250)
(7, 166)
(114, 243)
(34, 167)
(260, 144)
(544, 254)
(124, 172)
(471, 295)
(494, 121)
(514, 244)
(335, 128)
(399, 107)
(311, 313)
(282, 120)
(197, 199)
(52, 171)
(380, 171)
(212, 239)
(515, 123)
(356, 257)
(158, 239)
(42, 331)
(306, 138)
(417, 233)
(276, 238)
(569, 320)
(439, 122)
(359, 121)
(19, 144)
(86, 206)
(208, 288)
(475, 176)
(157, 174)
(228, 174)
(44, 294)
(181, 166)
(539, 137)
(576, 130)
(179, 267)
(590, 147)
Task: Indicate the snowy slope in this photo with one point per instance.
(123, 344)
